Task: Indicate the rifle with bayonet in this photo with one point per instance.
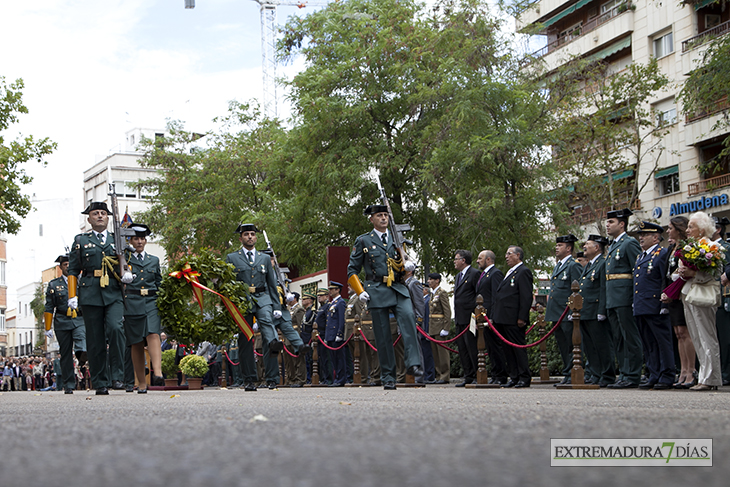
(280, 276)
(396, 230)
(120, 233)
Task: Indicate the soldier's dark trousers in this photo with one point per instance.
(627, 343)
(102, 323)
(246, 362)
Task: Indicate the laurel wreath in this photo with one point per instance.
(180, 312)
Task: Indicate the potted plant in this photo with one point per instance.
(194, 367)
(169, 368)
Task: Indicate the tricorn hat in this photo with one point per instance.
(373, 209)
(96, 205)
(648, 227)
(246, 227)
(598, 239)
(140, 229)
(62, 258)
(570, 238)
(625, 213)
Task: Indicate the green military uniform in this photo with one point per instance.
(295, 367)
(565, 272)
(140, 316)
(596, 335)
(235, 379)
(439, 318)
(259, 275)
(102, 307)
(371, 254)
(622, 254)
(70, 332)
(355, 307)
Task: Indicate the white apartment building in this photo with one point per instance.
(123, 168)
(625, 31)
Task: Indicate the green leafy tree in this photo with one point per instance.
(201, 194)
(605, 128)
(707, 89)
(14, 205)
(431, 102)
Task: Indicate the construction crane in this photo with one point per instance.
(268, 46)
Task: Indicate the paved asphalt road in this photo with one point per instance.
(438, 436)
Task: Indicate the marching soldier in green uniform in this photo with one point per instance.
(141, 321)
(594, 329)
(375, 252)
(234, 370)
(622, 254)
(565, 272)
(254, 268)
(94, 259)
(68, 325)
(722, 321)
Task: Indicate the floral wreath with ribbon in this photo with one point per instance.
(201, 300)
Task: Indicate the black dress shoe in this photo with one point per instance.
(158, 381)
(337, 384)
(275, 346)
(623, 384)
(662, 386)
(271, 384)
(522, 384)
(249, 387)
(102, 391)
(129, 389)
(117, 384)
(440, 382)
(464, 382)
(647, 385)
(68, 391)
(566, 380)
(602, 384)
(295, 385)
(141, 391)
(510, 383)
(415, 370)
(389, 385)
(726, 382)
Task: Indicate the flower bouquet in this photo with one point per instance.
(699, 255)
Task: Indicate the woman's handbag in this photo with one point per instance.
(704, 295)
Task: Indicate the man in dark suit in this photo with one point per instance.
(164, 344)
(465, 300)
(487, 285)
(335, 333)
(511, 312)
(652, 316)
(565, 272)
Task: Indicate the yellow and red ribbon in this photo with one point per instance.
(191, 276)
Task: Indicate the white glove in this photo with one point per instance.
(277, 313)
(73, 303)
(601, 318)
(289, 297)
(128, 277)
(664, 311)
(444, 333)
(256, 326)
(49, 333)
(570, 317)
(409, 266)
(338, 339)
(364, 297)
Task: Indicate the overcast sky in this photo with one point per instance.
(96, 69)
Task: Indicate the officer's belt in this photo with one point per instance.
(142, 292)
(611, 277)
(435, 316)
(371, 277)
(256, 290)
(366, 322)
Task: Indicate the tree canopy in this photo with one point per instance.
(14, 205)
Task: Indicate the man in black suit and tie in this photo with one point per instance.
(487, 285)
(465, 300)
(510, 314)
(164, 344)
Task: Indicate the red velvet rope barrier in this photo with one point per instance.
(229, 359)
(287, 351)
(547, 335)
(449, 341)
(397, 339)
(439, 343)
(336, 348)
(369, 344)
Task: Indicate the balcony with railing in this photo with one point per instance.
(710, 184)
(584, 29)
(585, 215)
(703, 37)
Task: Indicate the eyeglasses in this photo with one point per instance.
(509, 253)
(458, 258)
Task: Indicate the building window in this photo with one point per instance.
(666, 112)
(2, 320)
(609, 5)
(663, 45)
(668, 184)
(2, 273)
(124, 189)
(570, 33)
